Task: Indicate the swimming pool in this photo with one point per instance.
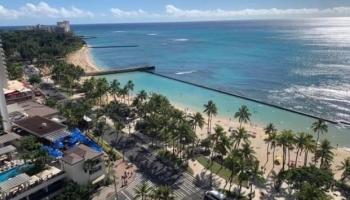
(13, 172)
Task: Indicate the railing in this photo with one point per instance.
(12, 195)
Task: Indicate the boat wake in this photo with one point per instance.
(185, 72)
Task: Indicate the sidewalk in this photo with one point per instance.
(121, 169)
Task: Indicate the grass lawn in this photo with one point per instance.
(217, 169)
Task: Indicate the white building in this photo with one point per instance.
(63, 26)
(3, 84)
(83, 165)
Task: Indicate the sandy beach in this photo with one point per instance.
(84, 59)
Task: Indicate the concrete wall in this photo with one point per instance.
(39, 187)
(77, 174)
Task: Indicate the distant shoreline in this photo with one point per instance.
(83, 58)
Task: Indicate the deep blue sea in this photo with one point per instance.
(303, 65)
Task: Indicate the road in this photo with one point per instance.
(154, 171)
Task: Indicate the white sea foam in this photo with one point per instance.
(185, 72)
(180, 39)
(119, 31)
(324, 69)
(152, 34)
(324, 92)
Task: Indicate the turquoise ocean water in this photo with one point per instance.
(301, 65)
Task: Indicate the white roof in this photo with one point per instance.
(7, 149)
(14, 182)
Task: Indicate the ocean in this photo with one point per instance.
(303, 65)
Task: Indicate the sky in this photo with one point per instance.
(21, 12)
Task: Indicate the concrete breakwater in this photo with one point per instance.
(144, 68)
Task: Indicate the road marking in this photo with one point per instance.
(126, 196)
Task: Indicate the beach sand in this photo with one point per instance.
(83, 58)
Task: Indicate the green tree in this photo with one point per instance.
(324, 153)
(285, 139)
(130, 87)
(310, 192)
(220, 146)
(163, 192)
(239, 135)
(300, 143)
(309, 146)
(243, 115)
(35, 79)
(197, 120)
(211, 110)
(114, 88)
(142, 191)
(15, 71)
(319, 127)
(345, 167)
(269, 130)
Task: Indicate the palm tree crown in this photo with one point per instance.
(211, 110)
(243, 115)
(318, 127)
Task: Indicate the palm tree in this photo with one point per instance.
(124, 92)
(102, 88)
(309, 146)
(142, 95)
(243, 115)
(142, 191)
(345, 166)
(324, 153)
(220, 145)
(256, 176)
(211, 110)
(232, 161)
(300, 142)
(114, 88)
(247, 151)
(130, 87)
(273, 140)
(269, 129)
(285, 140)
(240, 135)
(197, 120)
(163, 192)
(319, 127)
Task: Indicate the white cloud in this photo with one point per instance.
(7, 13)
(272, 12)
(133, 13)
(43, 9)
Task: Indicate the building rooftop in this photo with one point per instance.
(40, 126)
(32, 108)
(14, 86)
(7, 149)
(8, 137)
(79, 153)
(16, 181)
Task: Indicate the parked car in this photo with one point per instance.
(214, 195)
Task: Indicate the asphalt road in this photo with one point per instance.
(153, 170)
